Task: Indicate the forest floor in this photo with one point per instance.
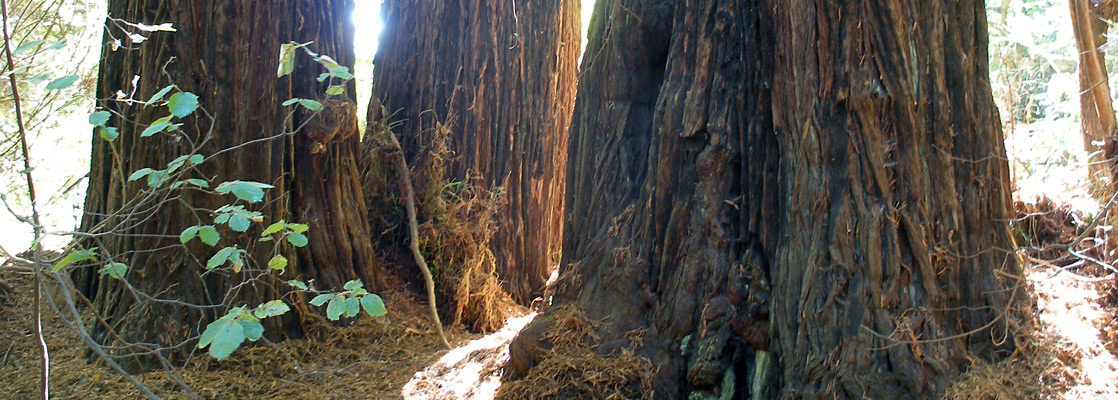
(371, 359)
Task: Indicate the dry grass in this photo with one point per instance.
(457, 222)
(574, 370)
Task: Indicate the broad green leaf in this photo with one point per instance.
(336, 307)
(108, 133)
(273, 228)
(139, 174)
(58, 45)
(290, 101)
(352, 307)
(278, 262)
(73, 257)
(196, 159)
(27, 46)
(353, 285)
(198, 182)
(221, 257)
(115, 270)
(155, 128)
(239, 223)
(298, 228)
(341, 72)
(328, 62)
(182, 104)
(335, 90)
(62, 83)
(297, 239)
(209, 235)
(251, 192)
(188, 234)
(321, 299)
(271, 309)
(222, 218)
(373, 305)
(214, 328)
(223, 336)
(253, 329)
(323, 77)
(310, 104)
(159, 95)
(98, 118)
(297, 284)
(157, 178)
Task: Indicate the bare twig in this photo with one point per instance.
(409, 203)
(44, 353)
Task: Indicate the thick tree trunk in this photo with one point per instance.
(1096, 108)
(226, 53)
(499, 76)
(781, 199)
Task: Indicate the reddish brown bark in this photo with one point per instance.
(1090, 22)
(500, 77)
(226, 53)
(777, 199)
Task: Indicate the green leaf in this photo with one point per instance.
(373, 305)
(108, 133)
(290, 101)
(253, 329)
(196, 159)
(222, 218)
(273, 228)
(239, 223)
(209, 235)
(251, 192)
(271, 309)
(323, 77)
(158, 126)
(223, 336)
(336, 307)
(182, 104)
(198, 182)
(310, 104)
(156, 178)
(335, 90)
(98, 118)
(353, 285)
(140, 173)
(159, 95)
(278, 262)
(188, 234)
(62, 83)
(298, 228)
(221, 257)
(73, 257)
(297, 239)
(321, 299)
(214, 328)
(341, 72)
(297, 284)
(115, 270)
(27, 46)
(58, 45)
(286, 59)
(352, 307)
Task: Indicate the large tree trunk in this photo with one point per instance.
(499, 77)
(787, 199)
(1089, 20)
(226, 53)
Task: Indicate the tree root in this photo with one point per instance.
(405, 174)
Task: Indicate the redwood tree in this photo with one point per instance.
(226, 52)
(499, 76)
(787, 199)
(1090, 20)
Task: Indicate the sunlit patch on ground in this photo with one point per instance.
(1069, 310)
(471, 371)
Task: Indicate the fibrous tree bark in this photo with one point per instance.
(1090, 20)
(787, 199)
(226, 53)
(499, 77)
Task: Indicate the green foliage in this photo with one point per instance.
(115, 270)
(252, 192)
(226, 334)
(73, 257)
(350, 302)
(182, 104)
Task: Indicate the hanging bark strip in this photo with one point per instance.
(1090, 20)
